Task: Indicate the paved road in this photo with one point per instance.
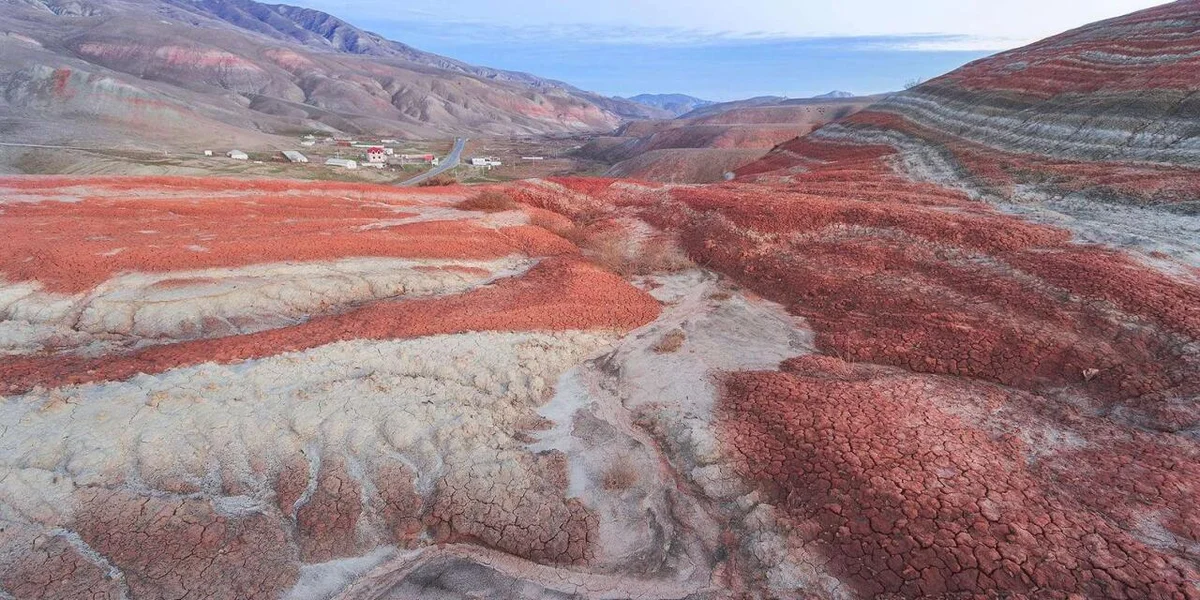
(450, 162)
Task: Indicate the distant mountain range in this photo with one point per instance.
(156, 71)
(830, 99)
(685, 106)
(676, 104)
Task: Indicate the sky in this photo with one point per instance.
(724, 49)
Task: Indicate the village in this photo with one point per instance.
(402, 161)
(347, 153)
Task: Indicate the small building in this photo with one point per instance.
(237, 155)
(295, 156)
(376, 155)
(342, 162)
(533, 158)
(308, 143)
(485, 161)
(389, 151)
(208, 152)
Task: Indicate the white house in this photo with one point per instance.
(237, 155)
(376, 155)
(295, 156)
(341, 162)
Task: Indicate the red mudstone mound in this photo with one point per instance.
(399, 503)
(557, 294)
(556, 532)
(175, 547)
(72, 247)
(1001, 171)
(903, 497)
(47, 566)
(1152, 49)
(326, 523)
(291, 483)
(887, 272)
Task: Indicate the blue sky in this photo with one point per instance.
(725, 49)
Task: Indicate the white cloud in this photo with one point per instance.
(935, 24)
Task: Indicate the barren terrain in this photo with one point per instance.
(920, 352)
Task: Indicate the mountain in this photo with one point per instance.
(676, 104)
(719, 107)
(153, 71)
(834, 94)
(710, 111)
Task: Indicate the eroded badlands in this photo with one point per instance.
(856, 383)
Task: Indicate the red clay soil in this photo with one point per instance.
(38, 566)
(72, 247)
(591, 186)
(542, 525)
(557, 294)
(906, 275)
(176, 547)
(877, 467)
(325, 525)
(903, 497)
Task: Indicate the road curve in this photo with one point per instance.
(450, 162)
